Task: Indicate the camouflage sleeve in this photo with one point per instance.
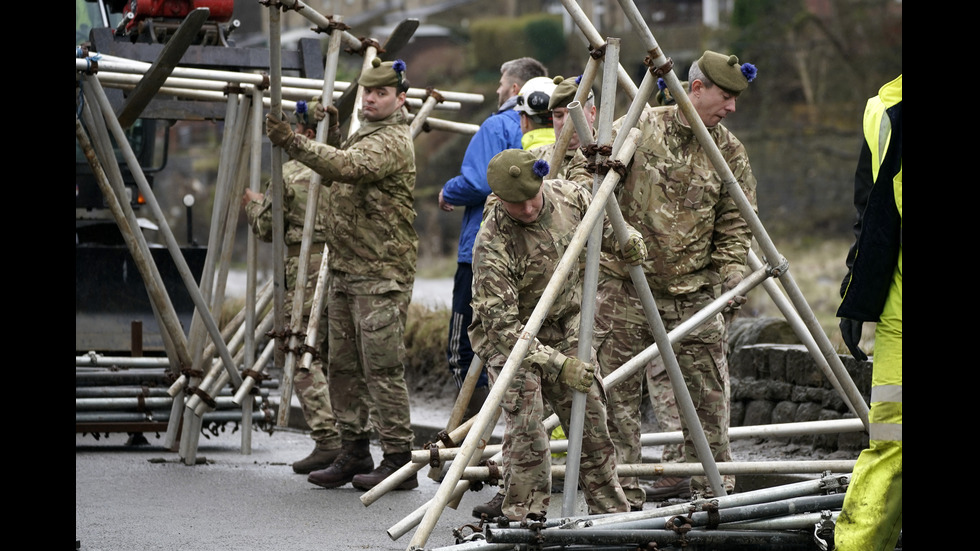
(581, 196)
(577, 170)
(732, 236)
(259, 215)
(374, 157)
(495, 305)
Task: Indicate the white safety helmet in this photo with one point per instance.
(535, 95)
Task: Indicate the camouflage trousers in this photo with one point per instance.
(526, 453)
(311, 385)
(621, 332)
(366, 362)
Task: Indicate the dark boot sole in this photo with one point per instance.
(337, 483)
(310, 469)
(409, 484)
(334, 484)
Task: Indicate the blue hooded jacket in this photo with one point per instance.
(469, 189)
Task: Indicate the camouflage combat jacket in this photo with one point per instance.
(573, 165)
(296, 179)
(694, 232)
(512, 265)
(370, 181)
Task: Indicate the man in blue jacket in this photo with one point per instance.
(502, 130)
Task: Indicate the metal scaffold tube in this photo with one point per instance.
(94, 359)
(590, 282)
(276, 190)
(684, 401)
(826, 484)
(581, 95)
(695, 469)
(118, 72)
(163, 416)
(722, 540)
(777, 430)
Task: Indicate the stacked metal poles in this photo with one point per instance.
(126, 220)
(96, 95)
(230, 183)
(778, 430)
(211, 85)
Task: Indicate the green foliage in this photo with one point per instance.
(545, 34)
(498, 39)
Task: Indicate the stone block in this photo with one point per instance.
(778, 390)
(817, 395)
(785, 412)
(852, 441)
(808, 411)
(758, 412)
(749, 389)
(801, 368)
(827, 441)
(737, 412)
(860, 372)
(744, 362)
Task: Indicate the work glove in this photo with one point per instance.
(577, 374)
(850, 330)
(735, 304)
(278, 131)
(321, 112)
(636, 250)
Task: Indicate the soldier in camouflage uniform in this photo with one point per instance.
(370, 182)
(574, 164)
(523, 237)
(310, 384)
(697, 238)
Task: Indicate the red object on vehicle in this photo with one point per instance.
(138, 10)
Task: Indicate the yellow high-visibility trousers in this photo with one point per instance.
(871, 519)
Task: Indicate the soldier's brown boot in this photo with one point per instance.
(354, 459)
(669, 487)
(321, 457)
(391, 463)
(491, 509)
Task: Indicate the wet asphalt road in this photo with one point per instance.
(146, 498)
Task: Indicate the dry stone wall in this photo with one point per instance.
(781, 383)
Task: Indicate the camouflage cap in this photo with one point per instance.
(515, 175)
(725, 71)
(564, 91)
(383, 73)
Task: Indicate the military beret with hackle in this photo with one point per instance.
(515, 175)
(725, 71)
(564, 91)
(664, 97)
(303, 115)
(383, 73)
